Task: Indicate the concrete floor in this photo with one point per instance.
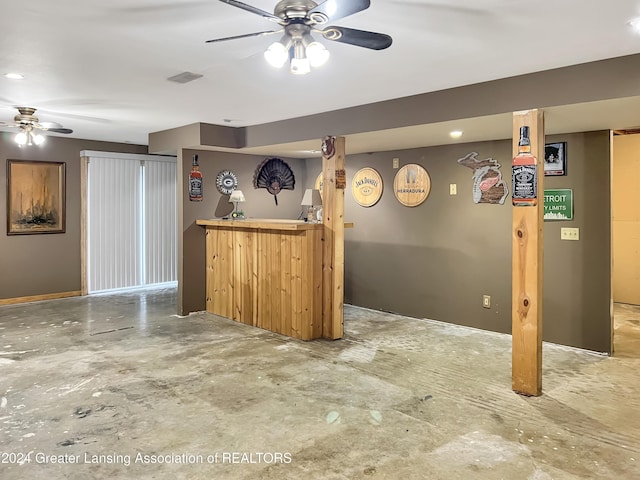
(129, 390)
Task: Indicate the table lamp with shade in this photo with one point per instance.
(313, 201)
(237, 197)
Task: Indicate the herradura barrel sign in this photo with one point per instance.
(412, 185)
(366, 187)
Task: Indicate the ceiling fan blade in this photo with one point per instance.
(359, 38)
(246, 35)
(48, 125)
(334, 9)
(249, 8)
(59, 130)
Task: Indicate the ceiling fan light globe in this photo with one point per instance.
(317, 54)
(635, 25)
(38, 139)
(276, 55)
(21, 138)
(300, 66)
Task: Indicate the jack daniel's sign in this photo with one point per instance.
(366, 187)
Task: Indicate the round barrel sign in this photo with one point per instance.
(412, 185)
(367, 187)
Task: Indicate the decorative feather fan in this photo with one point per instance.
(274, 175)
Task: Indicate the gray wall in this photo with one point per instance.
(49, 263)
(259, 204)
(438, 259)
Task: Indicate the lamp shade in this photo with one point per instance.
(236, 196)
(311, 198)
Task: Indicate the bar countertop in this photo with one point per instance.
(261, 224)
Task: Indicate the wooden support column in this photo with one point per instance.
(527, 259)
(334, 183)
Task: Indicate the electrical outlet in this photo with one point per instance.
(453, 189)
(486, 301)
(396, 163)
(569, 233)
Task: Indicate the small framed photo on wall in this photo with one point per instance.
(555, 158)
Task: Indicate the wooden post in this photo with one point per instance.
(333, 173)
(527, 257)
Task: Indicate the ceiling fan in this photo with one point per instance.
(29, 124)
(299, 19)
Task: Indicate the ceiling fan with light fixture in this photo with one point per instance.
(299, 19)
(29, 125)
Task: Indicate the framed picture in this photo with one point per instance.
(35, 197)
(555, 158)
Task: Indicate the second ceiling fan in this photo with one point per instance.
(299, 19)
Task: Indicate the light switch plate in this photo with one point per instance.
(396, 163)
(569, 233)
(486, 301)
(453, 189)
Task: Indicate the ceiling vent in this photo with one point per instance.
(185, 77)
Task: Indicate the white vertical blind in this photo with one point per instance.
(114, 219)
(132, 232)
(160, 239)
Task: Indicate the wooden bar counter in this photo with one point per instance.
(266, 273)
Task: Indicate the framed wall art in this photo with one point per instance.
(35, 197)
(555, 158)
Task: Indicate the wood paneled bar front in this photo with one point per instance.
(266, 273)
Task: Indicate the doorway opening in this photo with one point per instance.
(625, 215)
(129, 221)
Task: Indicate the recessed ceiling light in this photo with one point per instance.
(14, 76)
(455, 134)
(635, 25)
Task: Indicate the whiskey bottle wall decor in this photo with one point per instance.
(524, 173)
(195, 181)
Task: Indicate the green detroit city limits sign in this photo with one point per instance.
(558, 204)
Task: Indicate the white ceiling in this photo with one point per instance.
(101, 68)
